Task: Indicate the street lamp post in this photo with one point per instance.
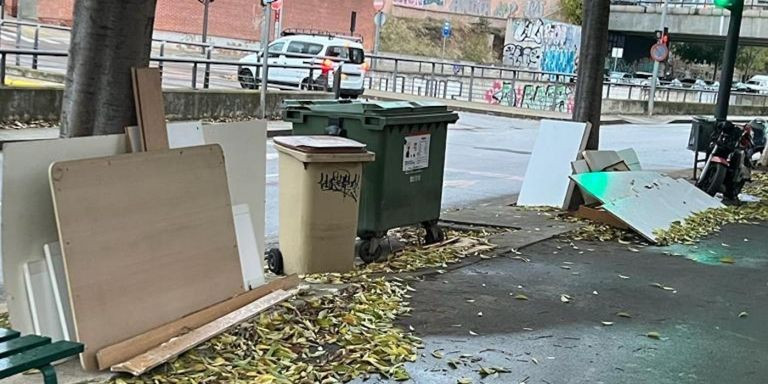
(206, 4)
(729, 57)
(267, 9)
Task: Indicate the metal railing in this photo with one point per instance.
(748, 4)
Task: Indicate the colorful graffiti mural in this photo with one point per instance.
(540, 44)
(492, 8)
(550, 97)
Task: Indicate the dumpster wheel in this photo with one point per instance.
(370, 249)
(435, 234)
(275, 261)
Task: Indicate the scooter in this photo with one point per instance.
(729, 165)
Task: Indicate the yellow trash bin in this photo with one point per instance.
(320, 179)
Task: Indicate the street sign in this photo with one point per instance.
(378, 5)
(617, 53)
(659, 52)
(380, 18)
(447, 30)
(276, 5)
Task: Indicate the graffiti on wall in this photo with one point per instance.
(540, 44)
(549, 97)
(490, 8)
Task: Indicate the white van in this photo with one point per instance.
(319, 45)
(758, 84)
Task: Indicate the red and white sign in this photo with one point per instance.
(276, 5)
(378, 5)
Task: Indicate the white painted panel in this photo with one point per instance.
(630, 157)
(42, 305)
(28, 220)
(250, 258)
(546, 180)
(58, 276)
(245, 152)
(185, 134)
(610, 186)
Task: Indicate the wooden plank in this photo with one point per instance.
(60, 288)
(178, 345)
(42, 304)
(150, 107)
(153, 242)
(245, 149)
(558, 143)
(130, 348)
(27, 214)
(21, 344)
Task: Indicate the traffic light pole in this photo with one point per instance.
(729, 61)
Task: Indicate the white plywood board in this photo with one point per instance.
(27, 216)
(654, 209)
(185, 134)
(58, 277)
(546, 180)
(245, 154)
(250, 258)
(42, 305)
(610, 186)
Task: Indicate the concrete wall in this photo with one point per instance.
(26, 104)
(640, 107)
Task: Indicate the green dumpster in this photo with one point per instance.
(404, 185)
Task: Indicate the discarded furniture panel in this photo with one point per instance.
(42, 304)
(546, 180)
(630, 157)
(610, 186)
(153, 242)
(27, 214)
(150, 108)
(60, 288)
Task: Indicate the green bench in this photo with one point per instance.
(21, 353)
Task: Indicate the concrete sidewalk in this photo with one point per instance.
(524, 113)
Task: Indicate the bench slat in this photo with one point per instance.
(22, 344)
(38, 357)
(8, 334)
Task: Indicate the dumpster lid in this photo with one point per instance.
(368, 106)
(323, 149)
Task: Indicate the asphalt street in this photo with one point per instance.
(486, 157)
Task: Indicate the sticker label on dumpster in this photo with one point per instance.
(416, 152)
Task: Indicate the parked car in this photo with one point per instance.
(620, 78)
(758, 84)
(304, 49)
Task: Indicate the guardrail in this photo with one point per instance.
(748, 4)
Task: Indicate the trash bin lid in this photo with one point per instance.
(323, 148)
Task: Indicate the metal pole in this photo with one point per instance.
(443, 47)
(267, 10)
(2, 69)
(36, 45)
(655, 77)
(206, 3)
(18, 42)
(207, 75)
(377, 36)
(162, 53)
(729, 61)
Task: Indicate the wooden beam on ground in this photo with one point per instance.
(178, 345)
(130, 348)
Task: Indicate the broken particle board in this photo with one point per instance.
(630, 157)
(546, 182)
(27, 214)
(186, 134)
(610, 186)
(60, 289)
(130, 348)
(178, 345)
(599, 215)
(600, 160)
(150, 107)
(42, 304)
(154, 241)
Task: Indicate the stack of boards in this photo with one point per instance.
(124, 242)
(615, 188)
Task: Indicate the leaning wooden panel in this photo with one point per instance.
(147, 238)
(150, 107)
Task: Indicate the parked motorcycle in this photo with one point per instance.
(729, 165)
(759, 130)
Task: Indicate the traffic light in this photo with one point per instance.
(727, 4)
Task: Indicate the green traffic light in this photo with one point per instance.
(727, 4)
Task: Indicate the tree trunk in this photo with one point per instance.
(594, 47)
(108, 38)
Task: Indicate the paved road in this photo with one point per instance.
(487, 156)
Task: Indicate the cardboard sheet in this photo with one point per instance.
(27, 214)
(154, 241)
(546, 180)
